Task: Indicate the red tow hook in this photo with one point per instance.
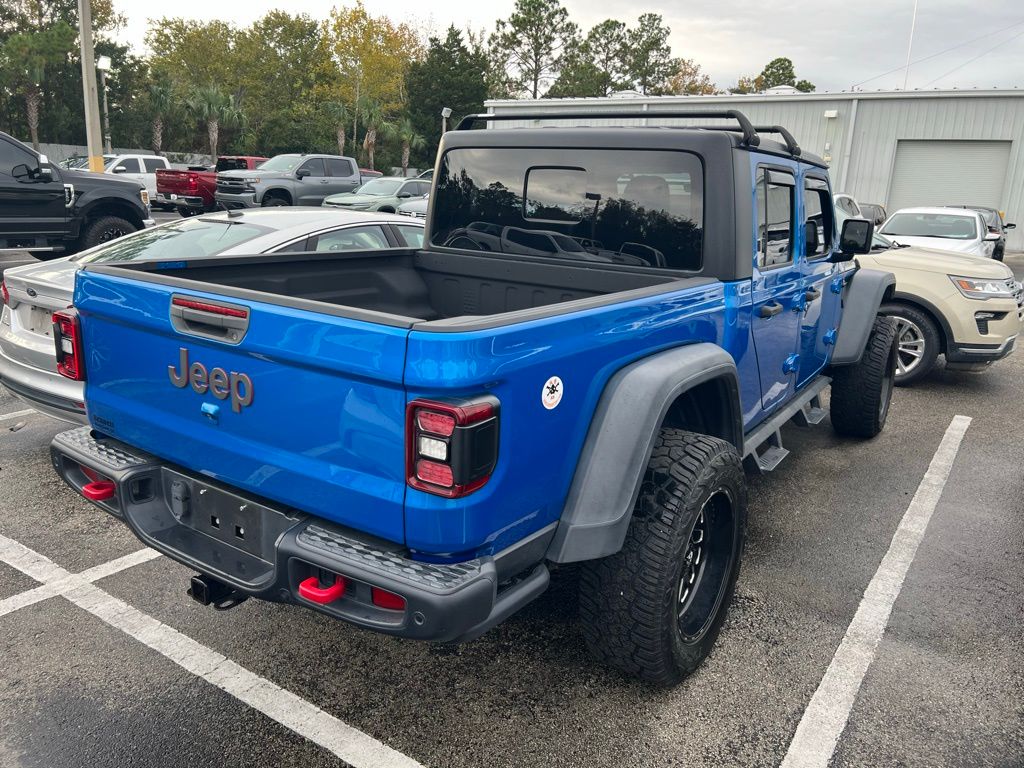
(99, 490)
(311, 590)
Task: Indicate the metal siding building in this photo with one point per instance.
(894, 148)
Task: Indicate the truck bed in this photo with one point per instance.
(406, 287)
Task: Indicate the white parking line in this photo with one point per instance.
(16, 414)
(309, 721)
(829, 709)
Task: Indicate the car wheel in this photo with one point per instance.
(273, 200)
(187, 213)
(861, 393)
(918, 342)
(105, 229)
(654, 609)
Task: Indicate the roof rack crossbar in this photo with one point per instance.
(791, 146)
(750, 137)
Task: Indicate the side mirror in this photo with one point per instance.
(991, 237)
(120, 169)
(854, 239)
(302, 173)
(404, 195)
(811, 241)
(1009, 226)
(21, 172)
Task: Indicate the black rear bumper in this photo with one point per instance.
(261, 550)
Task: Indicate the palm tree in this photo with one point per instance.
(210, 105)
(406, 133)
(161, 99)
(29, 54)
(339, 115)
(376, 126)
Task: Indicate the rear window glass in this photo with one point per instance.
(633, 207)
(944, 225)
(189, 239)
(231, 164)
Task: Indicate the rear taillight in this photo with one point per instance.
(3, 290)
(451, 447)
(67, 340)
(193, 181)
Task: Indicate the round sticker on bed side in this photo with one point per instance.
(551, 395)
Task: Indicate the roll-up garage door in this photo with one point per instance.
(948, 173)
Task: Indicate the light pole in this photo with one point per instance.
(93, 138)
(446, 112)
(103, 65)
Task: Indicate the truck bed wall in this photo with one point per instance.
(418, 285)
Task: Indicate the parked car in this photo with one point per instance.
(28, 366)
(140, 168)
(967, 308)
(288, 180)
(384, 194)
(51, 211)
(994, 221)
(366, 174)
(417, 440)
(848, 205)
(193, 191)
(873, 212)
(427, 174)
(81, 162)
(946, 229)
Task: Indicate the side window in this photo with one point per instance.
(153, 164)
(424, 188)
(130, 165)
(299, 246)
(774, 218)
(818, 217)
(413, 236)
(339, 168)
(314, 166)
(350, 239)
(12, 155)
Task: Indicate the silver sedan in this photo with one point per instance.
(28, 365)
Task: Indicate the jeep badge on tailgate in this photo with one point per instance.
(218, 382)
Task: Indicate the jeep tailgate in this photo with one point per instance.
(305, 409)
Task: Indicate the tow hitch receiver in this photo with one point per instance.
(207, 591)
(99, 490)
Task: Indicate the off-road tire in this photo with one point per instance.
(929, 334)
(861, 393)
(629, 604)
(105, 229)
(271, 200)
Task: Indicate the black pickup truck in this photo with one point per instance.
(53, 211)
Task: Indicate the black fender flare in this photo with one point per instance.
(864, 293)
(621, 437)
(112, 203)
(279, 191)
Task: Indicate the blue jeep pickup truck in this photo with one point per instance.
(604, 324)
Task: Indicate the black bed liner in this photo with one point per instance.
(408, 288)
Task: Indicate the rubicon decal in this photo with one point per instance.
(218, 382)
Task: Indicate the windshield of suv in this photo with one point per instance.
(945, 225)
(189, 239)
(380, 187)
(639, 208)
(281, 163)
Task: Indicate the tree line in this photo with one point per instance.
(356, 83)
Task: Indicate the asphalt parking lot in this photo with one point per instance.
(106, 662)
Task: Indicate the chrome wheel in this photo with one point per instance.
(911, 346)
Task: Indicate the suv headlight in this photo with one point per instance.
(983, 288)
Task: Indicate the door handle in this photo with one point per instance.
(770, 310)
(811, 294)
(324, 181)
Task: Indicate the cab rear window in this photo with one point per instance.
(632, 207)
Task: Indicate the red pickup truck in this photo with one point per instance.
(191, 191)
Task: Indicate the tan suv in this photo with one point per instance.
(968, 308)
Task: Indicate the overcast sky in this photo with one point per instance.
(833, 44)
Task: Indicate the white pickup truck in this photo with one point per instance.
(140, 168)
